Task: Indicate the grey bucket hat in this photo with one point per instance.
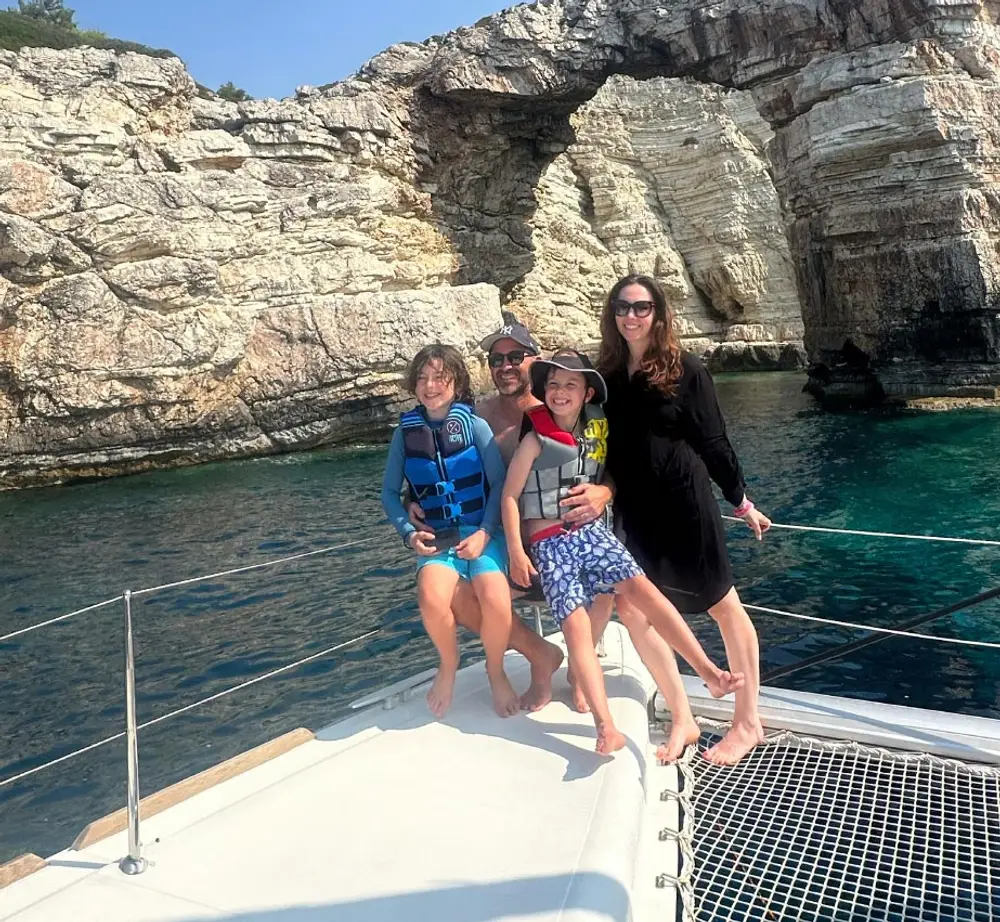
(568, 360)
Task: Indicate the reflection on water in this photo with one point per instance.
(64, 547)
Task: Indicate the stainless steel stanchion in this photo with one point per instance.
(133, 862)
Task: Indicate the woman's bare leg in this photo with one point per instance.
(658, 658)
(743, 652)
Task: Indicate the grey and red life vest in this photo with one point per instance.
(565, 461)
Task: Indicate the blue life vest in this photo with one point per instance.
(444, 468)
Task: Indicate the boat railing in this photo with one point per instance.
(134, 863)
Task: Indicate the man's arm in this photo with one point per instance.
(495, 471)
(496, 474)
(517, 476)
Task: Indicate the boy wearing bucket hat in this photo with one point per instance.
(567, 446)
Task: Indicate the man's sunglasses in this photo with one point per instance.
(497, 359)
(639, 308)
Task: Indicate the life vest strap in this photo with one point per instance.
(447, 487)
(448, 511)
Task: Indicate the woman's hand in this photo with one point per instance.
(470, 548)
(521, 570)
(585, 503)
(419, 540)
(757, 522)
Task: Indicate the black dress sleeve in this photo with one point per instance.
(706, 431)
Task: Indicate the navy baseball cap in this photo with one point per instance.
(515, 331)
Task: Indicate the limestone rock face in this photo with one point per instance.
(884, 122)
(185, 278)
(892, 201)
(670, 178)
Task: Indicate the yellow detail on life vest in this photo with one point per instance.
(595, 438)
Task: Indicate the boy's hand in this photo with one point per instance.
(522, 569)
(470, 548)
(585, 503)
(418, 540)
(417, 518)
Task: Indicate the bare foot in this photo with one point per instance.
(609, 739)
(439, 696)
(725, 682)
(682, 735)
(579, 699)
(740, 739)
(505, 701)
(539, 693)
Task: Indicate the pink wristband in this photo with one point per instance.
(743, 509)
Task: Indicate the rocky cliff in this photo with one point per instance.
(183, 278)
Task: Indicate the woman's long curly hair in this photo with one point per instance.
(452, 367)
(662, 362)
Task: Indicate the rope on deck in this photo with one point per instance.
(804, 828)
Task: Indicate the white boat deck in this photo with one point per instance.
(392, 815)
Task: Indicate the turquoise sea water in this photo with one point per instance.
(64, 547)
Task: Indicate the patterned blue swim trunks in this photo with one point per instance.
(577, 567)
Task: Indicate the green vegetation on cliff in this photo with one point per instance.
(51, 24)
(21, 30)
(233, 93)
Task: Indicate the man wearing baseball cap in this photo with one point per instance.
(510, 353)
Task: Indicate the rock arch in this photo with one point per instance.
(184, 278)
(886, 117)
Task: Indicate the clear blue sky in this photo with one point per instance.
(268, 47)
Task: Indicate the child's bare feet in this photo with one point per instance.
(579, 699)
(505, 701)
(539, 693)
(681, 736)
(609, 739)
(740, 739)
(724, 683)
(443, 687)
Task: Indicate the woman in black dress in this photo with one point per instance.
(667, 442)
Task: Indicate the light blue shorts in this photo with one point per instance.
(492, 560)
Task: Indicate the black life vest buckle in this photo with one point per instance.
(443, 488)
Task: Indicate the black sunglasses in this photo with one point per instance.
(639, 308)
(496, 359)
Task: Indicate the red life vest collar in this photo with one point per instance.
(545, 425)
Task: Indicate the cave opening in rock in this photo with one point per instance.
(858, 127)
(667, 176)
